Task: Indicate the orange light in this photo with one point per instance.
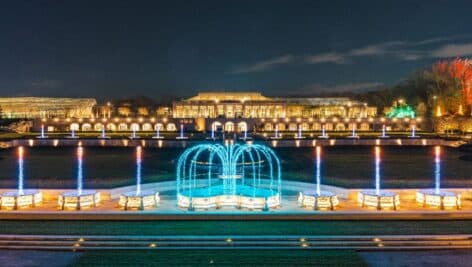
(318, 151)
(437, 150)
(20, 152)
(80, 152)
(377, 151)
(138, 152)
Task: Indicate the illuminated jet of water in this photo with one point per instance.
(20, 170)
(138, 169)
(318, 170)
(437, 169)
(80, 154)
(377, 170)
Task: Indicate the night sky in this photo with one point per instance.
(111, 50)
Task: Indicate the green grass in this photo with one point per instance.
(221, 258)
(235, 227)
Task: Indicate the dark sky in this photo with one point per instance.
(109, 49)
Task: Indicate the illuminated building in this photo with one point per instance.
(252, 105)
(236, 112)
(47, 107)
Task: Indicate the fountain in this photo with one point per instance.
(323, 135)
(299, 134)
(181, 135)
(79, 198)
(158, 133)
(232, 175)
(276, 133)
(413, 132)
(318, 199)
(103, 135)
(138, 199)
(245, 135)
(353, 133)
(133, 133)
(42, 134)
(384, 132)
(72, 134)
(20, 198)
(436, 197)
(378, 198)
(212, 134)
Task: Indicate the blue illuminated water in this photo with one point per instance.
(437, 170)
(138, 170)
(318, 170)
(377, 170)
(42, 131)
(323, 131)
(20, 171)
(229, 168)
(181, 131)
(79, 170)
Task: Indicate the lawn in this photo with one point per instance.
(221, 258)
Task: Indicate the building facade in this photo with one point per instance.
(253, 105)
(229, 112)
(251, 111)
(46, 107)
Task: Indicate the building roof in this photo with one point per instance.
(229, 96)
(321, 101)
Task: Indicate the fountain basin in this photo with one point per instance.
(383, 200)
(354, 136)
(441, 199)
(75, 201)
(144, 200)
(324, 200)
(14, 200)
(216, 197)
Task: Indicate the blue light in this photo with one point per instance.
(138, 170)
(20, 170)
(251, 170)
(437, 170)
(318, 170)
(377, 170)
(80, 153)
